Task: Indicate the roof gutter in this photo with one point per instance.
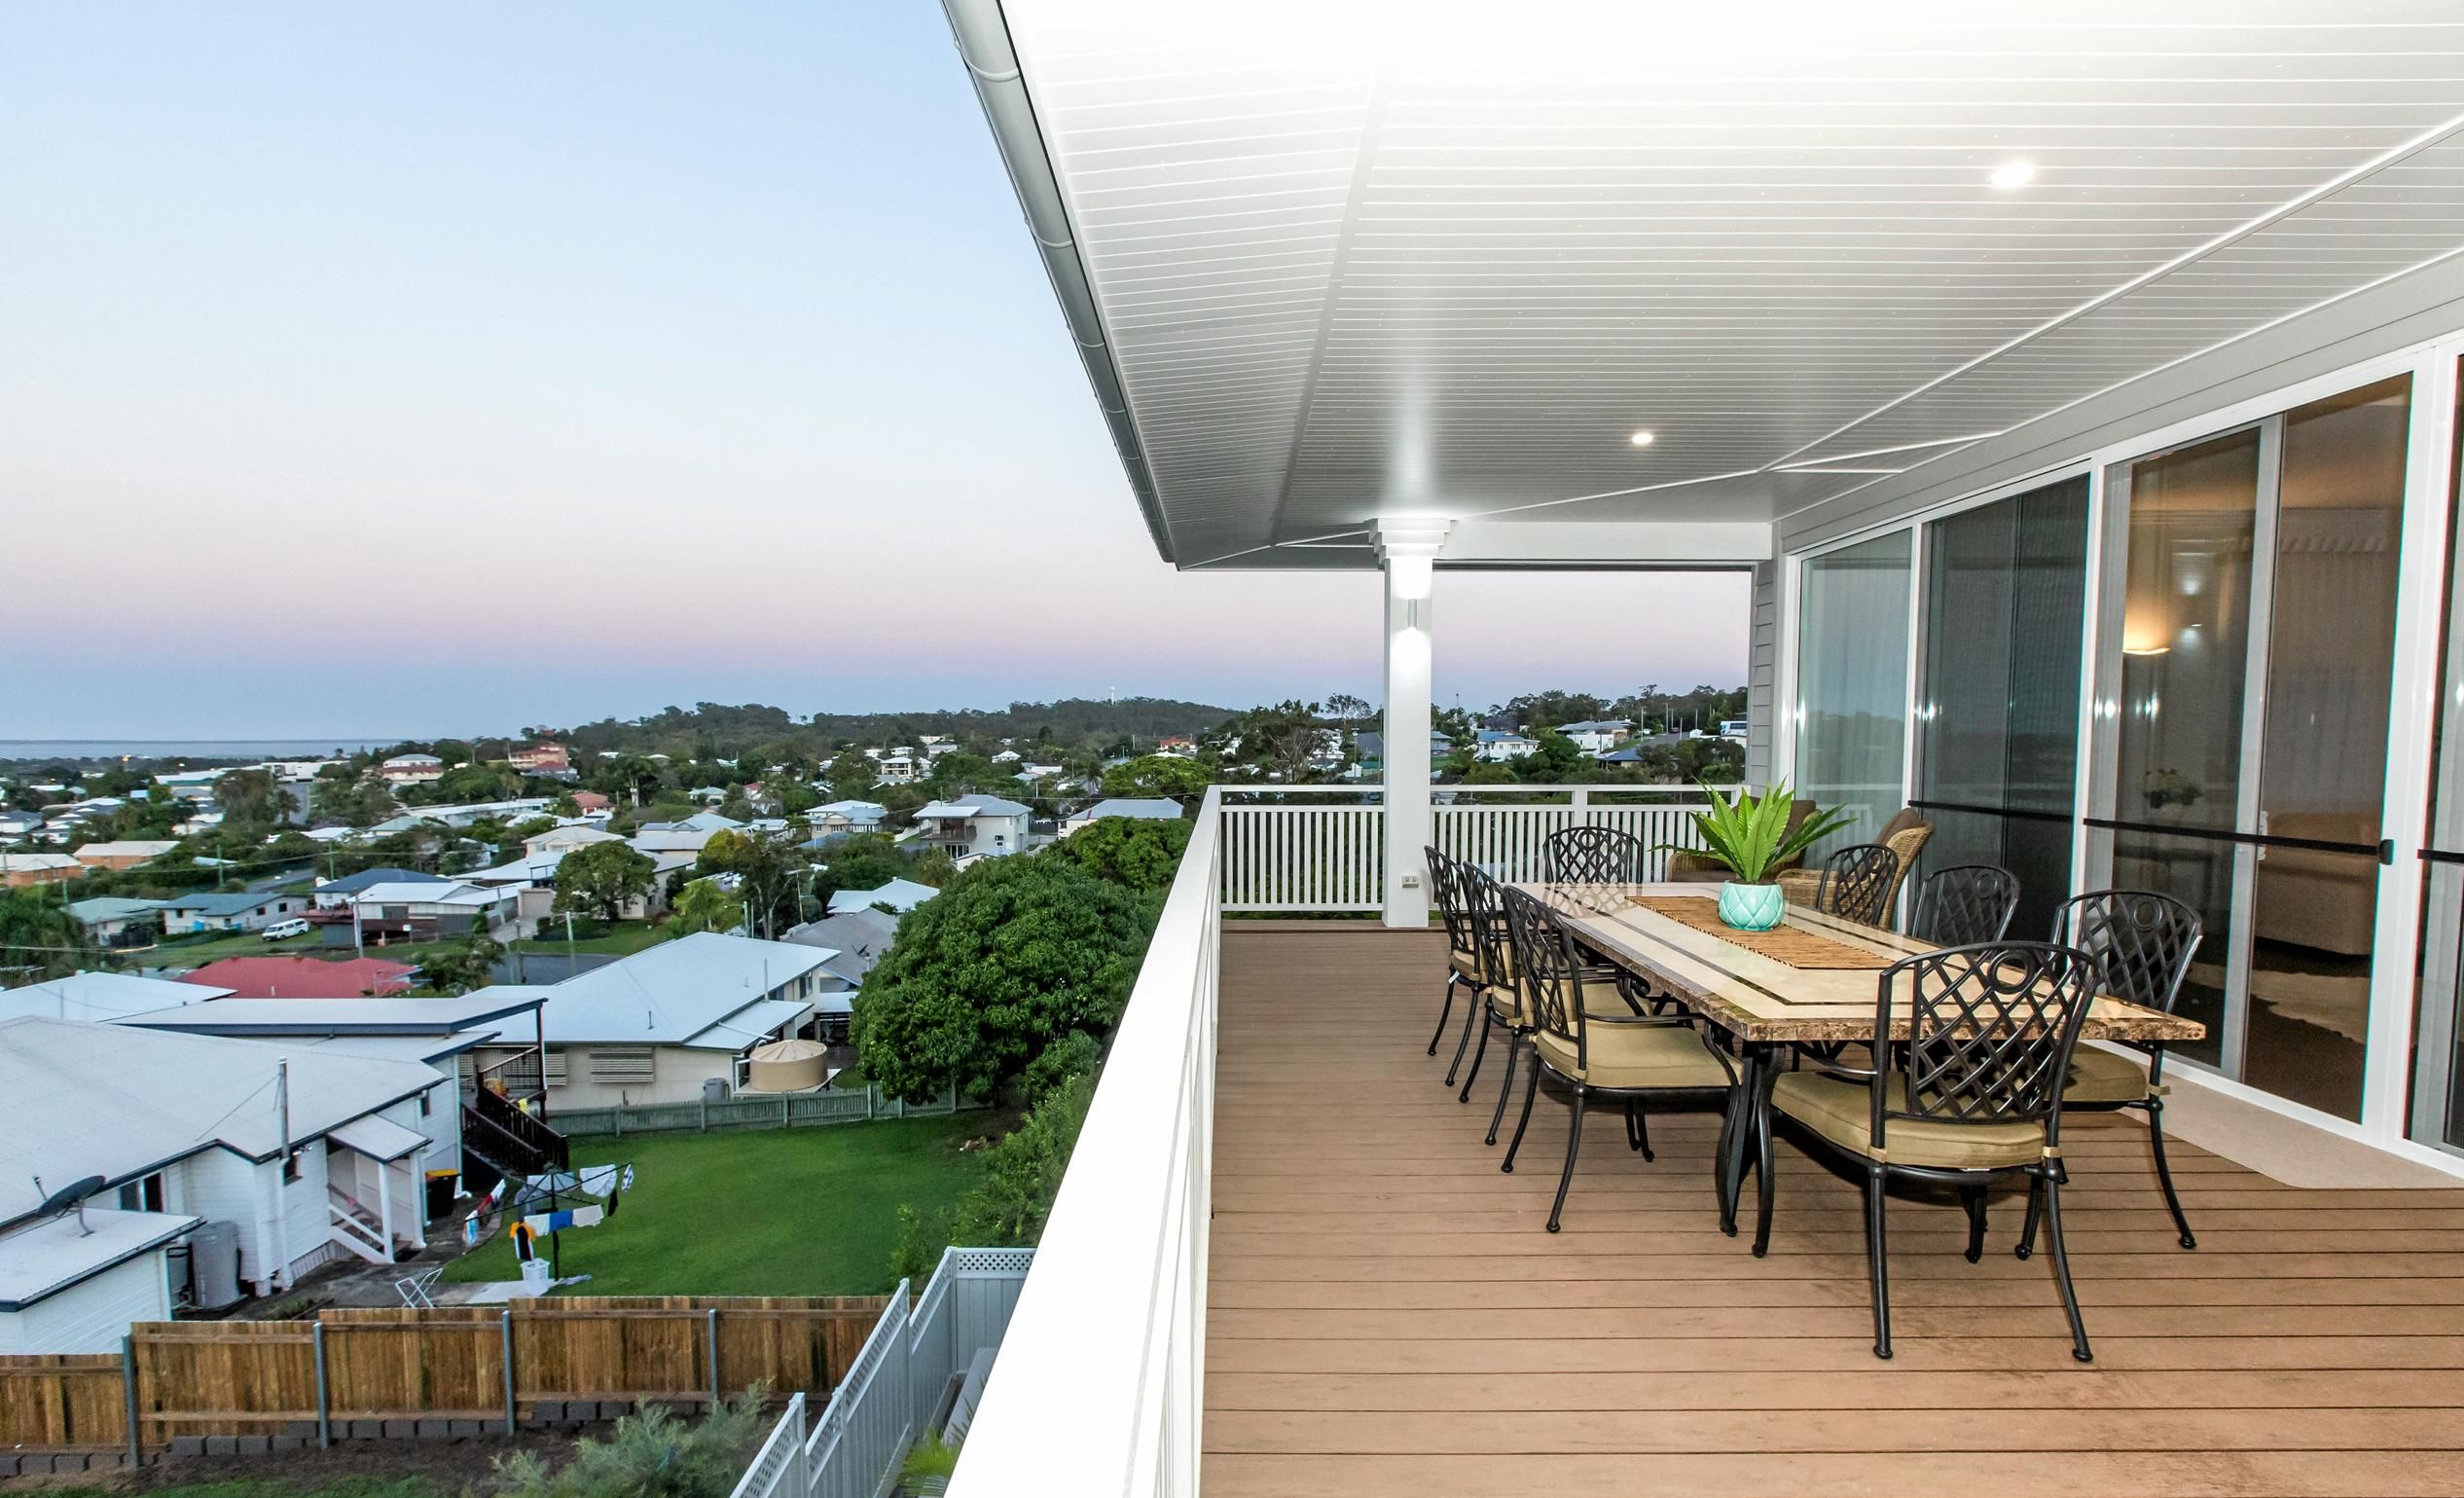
(983, 39)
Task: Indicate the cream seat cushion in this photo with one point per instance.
(1623, 1056)
(1841, 1111)
(2103, 1077)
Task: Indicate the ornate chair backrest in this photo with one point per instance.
(1592, 855)
(1858, 882)
(1990, 1031)
(2144, 940)
(1961, 906)
(1484, 912)
(1547, 969)
(1445, 886)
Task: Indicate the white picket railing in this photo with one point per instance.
(896, 1388)
(1098, 1393)
(1317, 849)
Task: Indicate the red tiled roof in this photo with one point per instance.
(304, 977)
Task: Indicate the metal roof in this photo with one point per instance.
(668, 994)
(104, 996)
(41, 1258)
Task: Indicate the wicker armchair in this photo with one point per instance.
(1905, 835)
(1702, 869)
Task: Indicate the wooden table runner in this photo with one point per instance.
(1782, 945)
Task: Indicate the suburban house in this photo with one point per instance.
(21, 870)
(544, 758)
(103, 997)
(1369, 747)
(674, 1023)
(1498, 746)
(687, 835)
(848, 817)
(123, 855)
(72, 1281)
(424, 911)
(592, 804)
(118, 921)
(573, 834)
(338, 893)
(304, 977)
(1598, 736)
(899, 895)
(463, 813)
(896, 769)
(16, 825)
(411, 770)
(851, 943)
(240, 910)
(440, 1034)
(1140, 808)
(974, 824)
(292, 1156)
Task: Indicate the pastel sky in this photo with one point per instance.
(373, 369)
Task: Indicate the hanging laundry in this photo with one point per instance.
(558, 1221)
(524, 1238)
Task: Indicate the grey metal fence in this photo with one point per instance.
(751, 1111)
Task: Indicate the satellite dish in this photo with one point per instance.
(69, 1199)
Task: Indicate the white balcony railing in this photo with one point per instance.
(1097, 1391)
(1321, 848)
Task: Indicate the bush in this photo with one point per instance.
(652, 1454)
(1023, 1171)
(1014, 955)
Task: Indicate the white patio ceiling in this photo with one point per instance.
(1352, 259)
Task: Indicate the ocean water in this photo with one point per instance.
(183, 748)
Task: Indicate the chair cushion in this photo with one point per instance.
(2099, 1076)
(1841, 1111)
(1629, 1056)
(1465, 962)
(1905, 819)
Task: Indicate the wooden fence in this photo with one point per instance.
(467, 1363)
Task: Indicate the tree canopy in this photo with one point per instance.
(1157, 775)
(1132, 852)
(597, 878)
(1015, 956)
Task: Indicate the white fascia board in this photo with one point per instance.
(1628, 543)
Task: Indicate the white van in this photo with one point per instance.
(281, 931)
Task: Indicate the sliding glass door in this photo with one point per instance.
(2250, 629)
(1997, 720)
(2438, 1090)
(1852, 679)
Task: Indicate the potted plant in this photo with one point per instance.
(1750, 836)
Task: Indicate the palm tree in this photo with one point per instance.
(40, 939)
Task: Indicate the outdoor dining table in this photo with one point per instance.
(1812, 980)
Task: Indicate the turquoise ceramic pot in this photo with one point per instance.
(1752, 907)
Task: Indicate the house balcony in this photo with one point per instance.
(1283, 1262)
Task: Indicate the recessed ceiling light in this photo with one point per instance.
(2010, 176)
(1640, 439)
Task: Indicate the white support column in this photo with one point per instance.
(384, 1204)
(1406, 547)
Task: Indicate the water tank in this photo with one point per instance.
(214, 1260)
(789, 1066)
(714, 1089)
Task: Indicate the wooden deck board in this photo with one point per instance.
(1386, 1314)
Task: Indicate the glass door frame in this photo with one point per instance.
(2389, 1074)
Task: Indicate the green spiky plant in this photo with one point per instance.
(1750, 834)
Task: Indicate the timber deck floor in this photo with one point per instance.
(1386, 1315)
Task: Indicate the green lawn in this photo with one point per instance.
(774, 1212)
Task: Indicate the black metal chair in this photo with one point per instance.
(1857, 884)
(1624, 1057)
(1491, 971)
(1974, 1093)
(2145, 943)
(1462, 961)
(1593, 855)
(1966, 904)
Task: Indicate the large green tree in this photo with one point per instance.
(704, 906)
(1157, 775)
(1136, 854)
(249, 799)
(1015, 956)
(40, 939)
(597, 878)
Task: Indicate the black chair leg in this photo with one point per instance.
(2035, 1215)
(1488, 1022)
(2165, 1172)
(1472, 1012)
(1763, 1163)
(1973, 1199)
(1453, 979)
(1530, 1089)
(1573, 1146)
(2062, 1263)
(1641, 1130)
(1879, 1249)
(1513, 1048)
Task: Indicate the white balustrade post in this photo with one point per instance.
(1407, 548)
